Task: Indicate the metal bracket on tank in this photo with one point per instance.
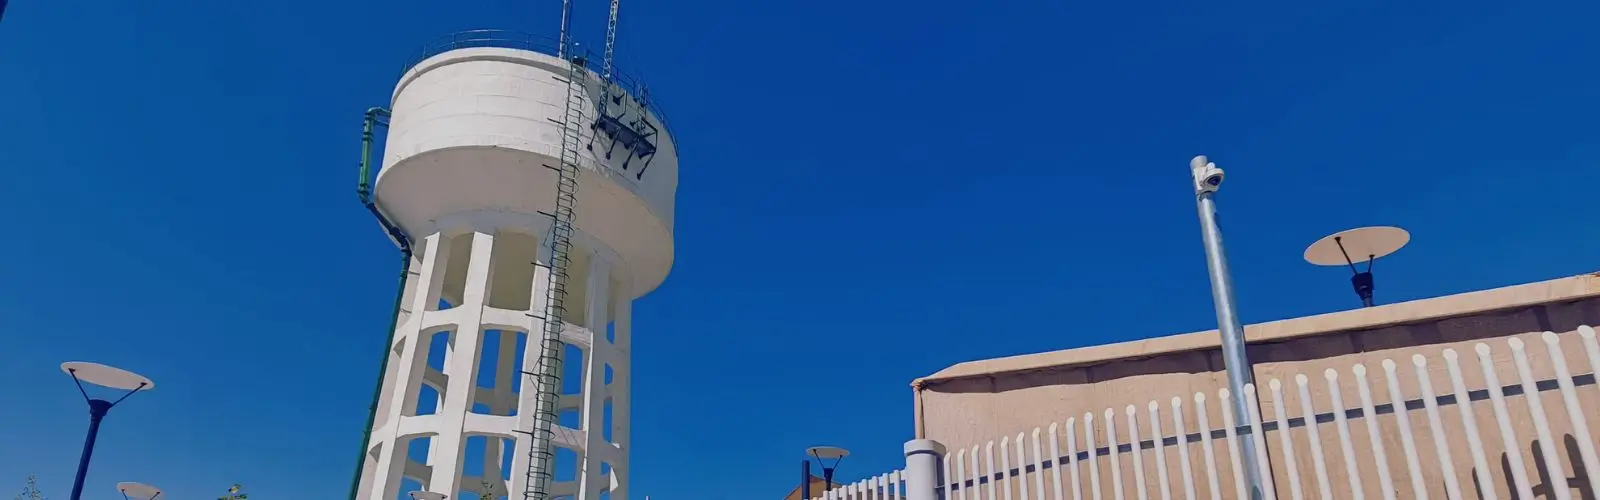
(637, 136)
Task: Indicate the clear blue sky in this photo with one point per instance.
(870, 192)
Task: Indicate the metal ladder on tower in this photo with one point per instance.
(541, 453)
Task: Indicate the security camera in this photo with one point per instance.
(1207, 175)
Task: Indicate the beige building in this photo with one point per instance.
(818, 485)
(972, 404)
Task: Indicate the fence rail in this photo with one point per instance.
(1398, 436)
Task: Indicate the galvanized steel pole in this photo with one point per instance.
(1207, 179)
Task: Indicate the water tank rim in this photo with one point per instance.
(532, 42)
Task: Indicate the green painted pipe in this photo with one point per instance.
(364, 183)
(364, 192)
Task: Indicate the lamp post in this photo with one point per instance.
(1207, 179)
(138, 491)
(107, 377)
(428, 495)
(823, 454)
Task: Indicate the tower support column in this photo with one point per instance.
(462, 369)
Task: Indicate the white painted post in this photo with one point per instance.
(923, 457)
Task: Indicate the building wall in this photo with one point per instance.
(818, 485)
(972, 403)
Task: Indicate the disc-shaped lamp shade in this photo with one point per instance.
(138, 491)
(107, 376)
(827, 452)
(428, 495)
(1361, 244)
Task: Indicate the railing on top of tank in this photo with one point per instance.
(508, 39)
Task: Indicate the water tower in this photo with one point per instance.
(531, 190)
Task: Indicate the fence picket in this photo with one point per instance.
(1369, 413)
(1160, 450)
(1569, 397)
(988, 471)
(1005, 466)
(1115, 461)
(1285, 438)
(1441, 445)
(1541, 425)
(894, 485)
(1055, 459)
(1342, 423)
(1502, 417)
(1038, 466)
(961, 474)
(1207, 449)
(1230, 433)
(1469, 424)
(1072, 450)
(1094, 465)
(1138, 462)
(977, 477)
(1319, 465)
(1022, 466)
(949, 476)
(1397, 400)
(1269, 489)
(1591, 349)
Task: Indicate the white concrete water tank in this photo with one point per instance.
(473, 130)
(469, 174)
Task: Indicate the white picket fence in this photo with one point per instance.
(1133, 453)
(891, 486)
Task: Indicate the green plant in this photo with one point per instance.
(31, 491)
(235, 492)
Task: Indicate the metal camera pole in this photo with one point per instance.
(1207, 178)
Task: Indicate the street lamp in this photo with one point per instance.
(428, 495)
(823, 454)
(110, 378)
(138, 491)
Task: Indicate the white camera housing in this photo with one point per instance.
(1208, 176)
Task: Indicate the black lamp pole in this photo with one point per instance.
(827, 468)
(805, 479)
(97, 412)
